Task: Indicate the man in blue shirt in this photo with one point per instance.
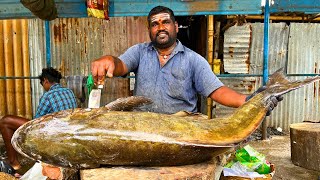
(56, 98)
(166, 71)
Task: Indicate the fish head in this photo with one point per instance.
(42, 138)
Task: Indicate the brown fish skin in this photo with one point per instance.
(88, 139)
(83, 139)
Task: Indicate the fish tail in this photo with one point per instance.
(278, 84)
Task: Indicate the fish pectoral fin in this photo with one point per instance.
(90, 165)
(207, 144)
(213, 145)
(277, 77)
(181, 113)
(187, 113)
(128, 103)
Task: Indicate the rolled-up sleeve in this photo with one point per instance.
(131, 57)
(205, 80)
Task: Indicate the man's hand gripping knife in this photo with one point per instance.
(273, 99)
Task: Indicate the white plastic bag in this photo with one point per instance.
(34, 173)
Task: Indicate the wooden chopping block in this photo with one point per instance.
(305, 145)
(203, 171)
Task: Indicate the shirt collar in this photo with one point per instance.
(55, 86)
(178, 48)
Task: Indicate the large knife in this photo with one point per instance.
(94, 93)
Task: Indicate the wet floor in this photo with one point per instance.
(277, 151)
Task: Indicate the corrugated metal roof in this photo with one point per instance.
(75, 43)
(303, 58)
(78, 41)
(186, 7)
(37, 58)
(278, 54)
(278, 45)
(297, 49)
(14, 62)
(243, 48)
(77, 8)
(237, 40)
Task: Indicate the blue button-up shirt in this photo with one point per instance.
(173, 87)
(56, 99)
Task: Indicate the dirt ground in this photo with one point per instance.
(277, 151)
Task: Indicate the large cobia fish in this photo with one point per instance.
(83, 138)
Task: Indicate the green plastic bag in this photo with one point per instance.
(251, 159)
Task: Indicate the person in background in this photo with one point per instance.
(168, 72)
(56, 98)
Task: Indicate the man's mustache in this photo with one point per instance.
(158, 33)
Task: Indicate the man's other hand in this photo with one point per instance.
(273, 103)
(273, 100)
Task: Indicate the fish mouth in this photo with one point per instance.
(15, 142)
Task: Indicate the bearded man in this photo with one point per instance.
(166, 71)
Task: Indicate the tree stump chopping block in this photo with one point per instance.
(203, 171)
(305, 145)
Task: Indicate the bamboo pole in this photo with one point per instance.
(3, 106)
(18, 67)
(9, 66)
(26, 69)
(210, 57)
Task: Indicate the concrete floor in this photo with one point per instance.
(277, 151)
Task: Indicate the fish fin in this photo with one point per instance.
(277, 77)
(185, 113)
(128, 103)
(279, 84)
(208, 145)
(193, 115)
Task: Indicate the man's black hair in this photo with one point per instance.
(51, 74)
(160, 9)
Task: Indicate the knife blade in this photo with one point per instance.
(95, 97)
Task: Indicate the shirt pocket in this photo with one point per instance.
(179, 83)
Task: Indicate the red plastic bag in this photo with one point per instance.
(98, 8)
